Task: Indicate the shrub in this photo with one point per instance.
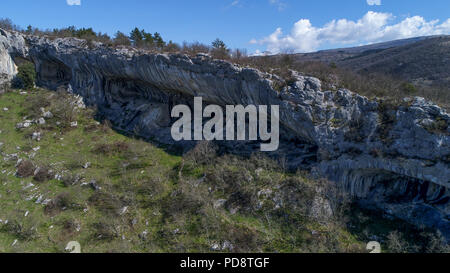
(104, 230)
(220, 50)
(25, 169)
(409, 88)
(439, 126)
(61, 202)
(396, 243)
(42, 174)
(203, 153)
(22, 229)
(108, 149)
(26, 76)
(6, 23)
(105, 202)
(63, 111)
(33, 105)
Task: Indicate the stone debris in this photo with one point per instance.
(36, 136)
(41, 121)
(48, 115)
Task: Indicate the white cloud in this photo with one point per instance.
(371, 28)
(73, 2)
(373, 2)
(279, 4)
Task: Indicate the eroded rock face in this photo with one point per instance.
(11, 44)
(395, 157)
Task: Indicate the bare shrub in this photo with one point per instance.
(42, 174)
(21, 228)
(105, 202)
(25, 169)
(104, 230)
(63, 110)
(396, 243)
(108, 149)
(34, 104)
(60, 203)
(203, 153)
(76, 161)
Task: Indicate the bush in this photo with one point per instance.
(25, 169)
(203, 153)
(105, 202)
(22, 229)
(104, 230)
(26, 77)
(42, 174)
(61, 202)
(33, 105)
(108, 149)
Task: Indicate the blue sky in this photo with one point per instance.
(258, 25)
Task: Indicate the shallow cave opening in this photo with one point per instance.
(53, 74)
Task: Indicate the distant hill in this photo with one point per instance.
(420, 60)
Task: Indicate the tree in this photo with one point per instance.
(29, 29)
(7, 24)
(148, 39)
(172, 47)
(220, 50)
(136, 37)
(219, 44)
(159, 40)
(121, 39)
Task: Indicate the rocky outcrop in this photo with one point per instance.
(393, 156)
(11, 45)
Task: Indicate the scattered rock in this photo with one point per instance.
(143, 235)
(22, 125)
(219, 203)
(93, 184)
(215, 247)
(41, 121)
(123, 210)
(48, 115)
(36, 136)
(227, 246)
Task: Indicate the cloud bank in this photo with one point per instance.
(371, 28)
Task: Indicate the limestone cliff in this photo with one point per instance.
(389, 156)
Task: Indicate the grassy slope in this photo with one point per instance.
(150, 200)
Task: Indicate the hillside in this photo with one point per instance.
(112, 193)
(423, 62)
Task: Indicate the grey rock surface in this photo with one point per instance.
(391, 156)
